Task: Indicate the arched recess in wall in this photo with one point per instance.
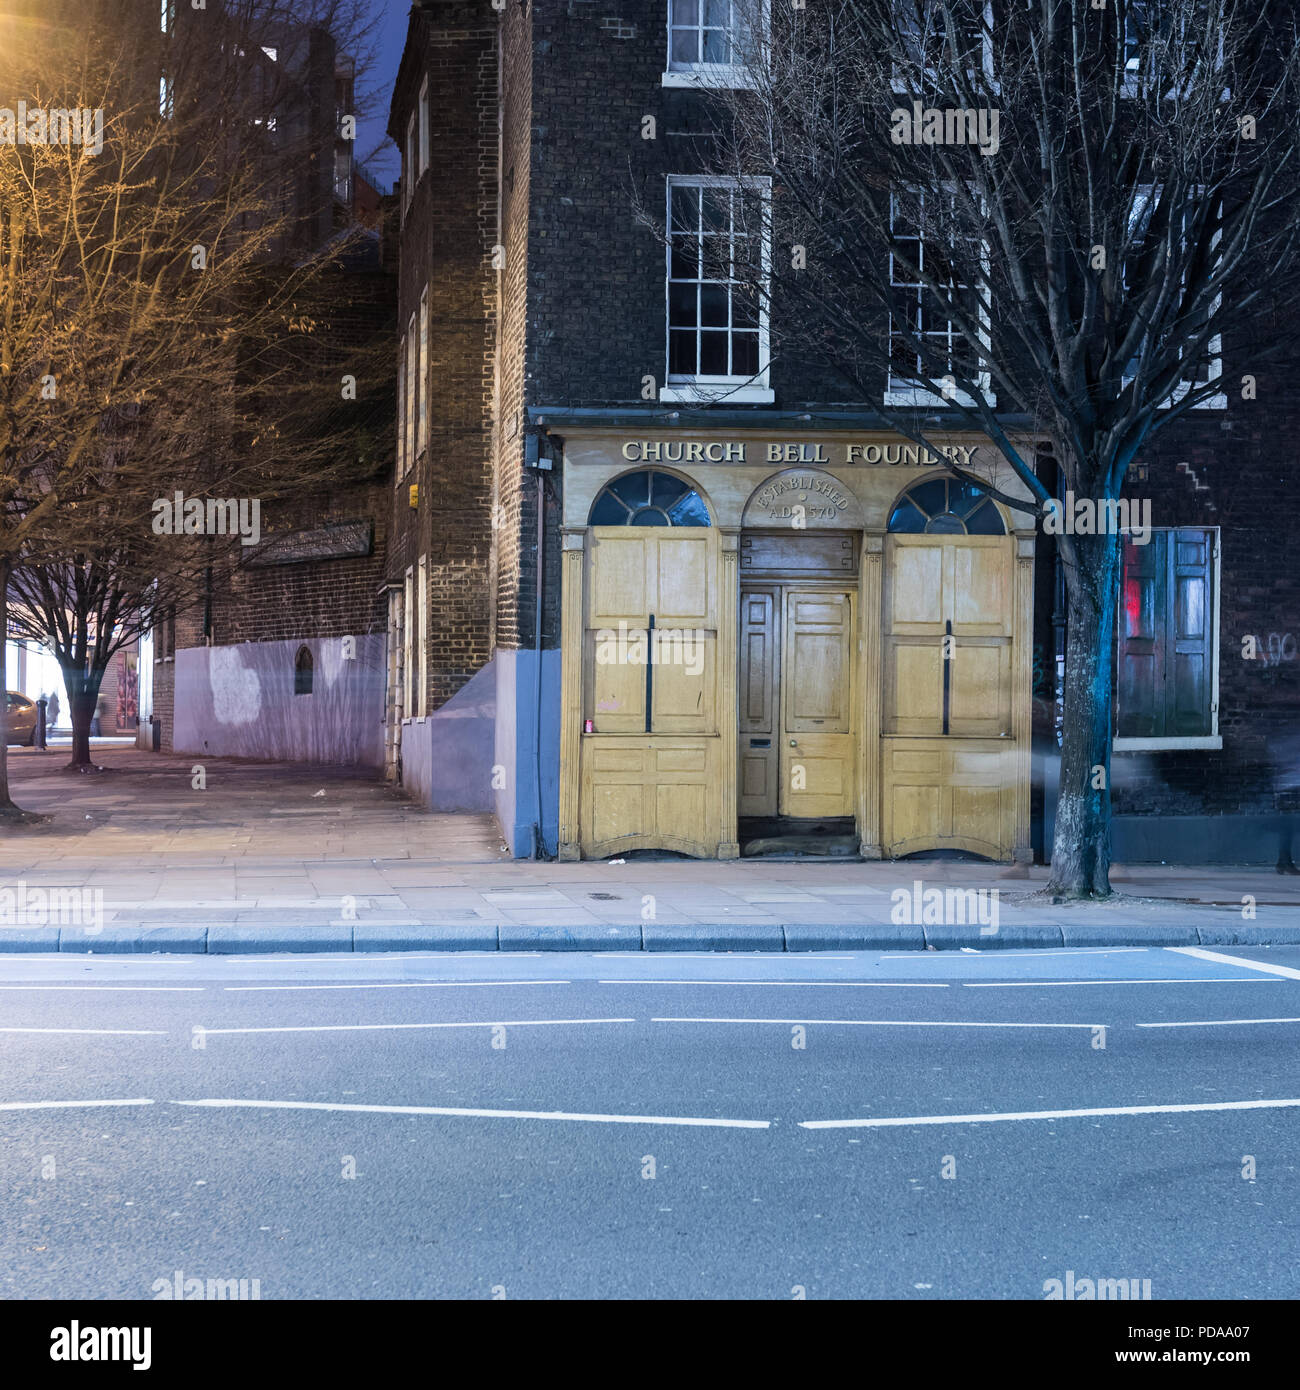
(303, 671)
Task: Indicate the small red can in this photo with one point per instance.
(588, 726)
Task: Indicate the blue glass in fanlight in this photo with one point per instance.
(648, 498)
(945, 507)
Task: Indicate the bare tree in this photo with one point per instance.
(1084, 216)
(161, 328)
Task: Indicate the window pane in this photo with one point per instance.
(608, 511)
(686, 209)
(744, 354)
(666, 490)
(690, 511)
(930, 497)
(713, 306)
(686, 11)
(713, 354)
(681, 354)
(634, 489)
(684, 265)
(649, 516)
(716, 47)
(985, 521)
(682, 307)
(906, 518)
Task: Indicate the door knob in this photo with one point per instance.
(793, 744)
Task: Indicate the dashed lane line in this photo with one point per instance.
(882, 1022)
(382, 1027)
(1048, 984)
(65, 1104)
(796, 984)
(117, 1032)
(474, 1113)
(896, 1121)
(1216, 1022)
(403, 984)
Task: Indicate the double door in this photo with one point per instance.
(796, 676)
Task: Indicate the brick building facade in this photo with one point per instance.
(527, 179)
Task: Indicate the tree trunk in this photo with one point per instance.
(83, 693)
(6, 805)
(1081, 844)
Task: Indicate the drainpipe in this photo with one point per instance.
(539, 842)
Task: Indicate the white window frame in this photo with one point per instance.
(409, 169)
(901, 86)
(720, 76)
(402, 461)
(1134, 79)
(422, 389)
(424, 124)
(699, 389)
(1219, 401)
(904, 395)
(412, 356)
(1214, 739)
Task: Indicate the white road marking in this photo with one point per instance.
(64, 1104)
(1220, 959)
(896, 1120)
(1044, 984)
(412, 984)
(379, 1027)
(124, 1032)
(882, 1022)
(487, 1114)
(120, 989)
(1049, 952)
(1217, 1022)
(799, 984)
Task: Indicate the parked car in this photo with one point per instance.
(20, 718)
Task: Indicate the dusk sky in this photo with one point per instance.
(372, 136)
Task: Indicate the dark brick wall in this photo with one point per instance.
(446, 243)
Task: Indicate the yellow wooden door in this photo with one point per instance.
(817, 744)
(650, 766)
(948, 770)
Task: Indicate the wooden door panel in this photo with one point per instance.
(979, 601)
(615, 688)
(684, 588)
(948, 793)
(816, 663)
(656, 792)
(618, 577)
(914, 688)
(914, 598)
(979, 700)
(817, 775)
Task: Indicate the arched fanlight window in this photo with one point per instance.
(648, 498)
(946, 507)
(303, 668)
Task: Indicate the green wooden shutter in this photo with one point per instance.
(1142, 638)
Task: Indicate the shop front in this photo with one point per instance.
(766, 638)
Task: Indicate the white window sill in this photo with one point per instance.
(690, 394)
(720, 78)
(932, 402)
(1155, 745)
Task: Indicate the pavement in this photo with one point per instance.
(916, 1126)
(222, 856)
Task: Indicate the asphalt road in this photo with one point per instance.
(940, 1125)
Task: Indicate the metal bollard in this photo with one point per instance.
(39, 740)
